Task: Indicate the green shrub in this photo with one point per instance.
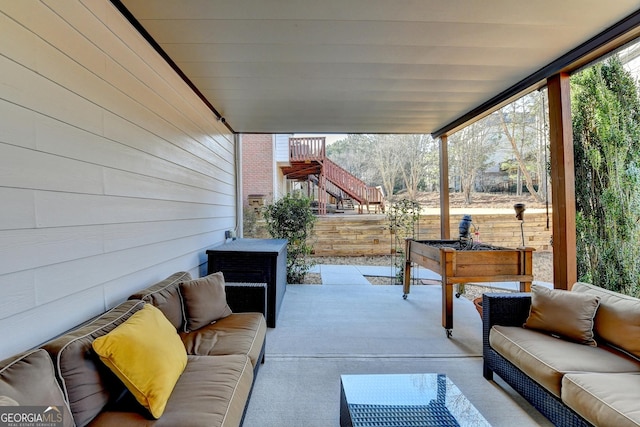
(606, 134)
(249, 221)
(291, 218)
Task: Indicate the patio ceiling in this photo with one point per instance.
(364, 66)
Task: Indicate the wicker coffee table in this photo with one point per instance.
(405, 400)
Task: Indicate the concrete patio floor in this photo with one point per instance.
(324, 331)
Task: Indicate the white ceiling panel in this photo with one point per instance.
(351, 66)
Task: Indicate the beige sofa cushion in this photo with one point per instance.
(604, 399)
(212, 391)
(205, 301)
(7, 401)
(618, 318)
(28, 379)
(165, 295)
(239, 333)
(566, 314)
(88, 385)
(546, 359)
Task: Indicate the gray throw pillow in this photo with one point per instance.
(205, 301)
(28, 379)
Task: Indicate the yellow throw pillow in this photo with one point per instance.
(146, 353)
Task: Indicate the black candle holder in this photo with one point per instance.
(519, 208)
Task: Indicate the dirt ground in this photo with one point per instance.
(480, 200)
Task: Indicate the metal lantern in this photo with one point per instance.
(519, 208)
(463, 230)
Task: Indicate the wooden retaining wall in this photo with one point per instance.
(357, 235)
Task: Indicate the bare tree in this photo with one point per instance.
(522, 123)
(389, 160)
(415, 157)
(349, 153)
(386, 157)
(376, 159)
(469, 152)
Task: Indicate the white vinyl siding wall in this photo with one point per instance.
(282, 148)
(113, 173)
(282, 159)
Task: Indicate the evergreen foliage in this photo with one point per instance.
(291, 218)
(606, 133)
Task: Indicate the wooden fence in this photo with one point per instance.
(357, 235)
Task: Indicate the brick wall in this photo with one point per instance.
(257, 166)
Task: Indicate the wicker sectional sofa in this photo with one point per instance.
(593, 380)
(220, 359)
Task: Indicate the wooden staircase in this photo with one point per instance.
(334, 191)
(308, 162)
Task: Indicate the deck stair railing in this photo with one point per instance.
(351, 185)
(333, 190)
(332, 178)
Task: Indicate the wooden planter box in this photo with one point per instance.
(488, 264)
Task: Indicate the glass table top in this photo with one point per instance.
(407, 400)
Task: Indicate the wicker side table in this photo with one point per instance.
(247, 297)
(254, 260)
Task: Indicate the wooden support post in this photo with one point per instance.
(526, 267)
(447, 271)
(565, 270)
(445, 228)
(322, 193)
(406, 285)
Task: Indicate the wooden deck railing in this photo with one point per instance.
(374, 195)
(301, 149)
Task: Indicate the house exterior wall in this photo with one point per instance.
(281, 159)
(282, 184)
(113, 173)
(263, 155)
(282, 148)
(258, 166)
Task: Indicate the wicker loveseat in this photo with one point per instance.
(569, 381)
